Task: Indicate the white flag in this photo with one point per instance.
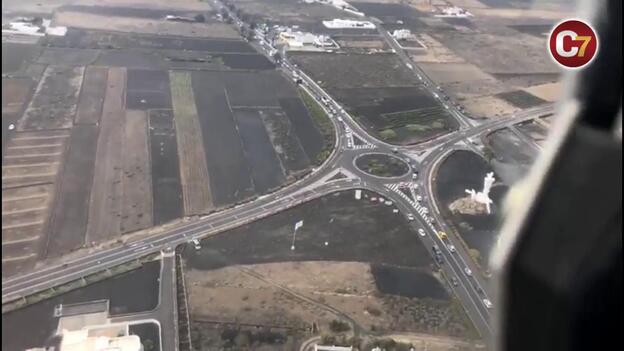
(299, 224)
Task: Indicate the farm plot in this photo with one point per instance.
(309, 136)
(337, 71)
(229, 172)
(137, 180)
(148, 89)
(521, 99)
(68, 222)
(68, 57)
(85, 39)
(54, 104)
(92, 95)
(33, 158)
(16, 55)
(193, 170)
(106, 196)
(266, 171)
(285, 140)
(15, 95)
(398, 115)
(24, 216)
(166, 185)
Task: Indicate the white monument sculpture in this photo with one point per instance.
(483, 197)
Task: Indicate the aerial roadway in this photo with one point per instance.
(467, 283)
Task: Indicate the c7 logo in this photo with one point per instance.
(573, 43)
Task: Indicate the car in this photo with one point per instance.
(414, 176)
(410, 217)
(468, 271)
(11, 126)
(421, 232)
(442, 235)
(487, 303)
(425, 210)
(418, 198)
(395, 150)
(452, 248)
(454, 281)
(436, 249)
(195, 243)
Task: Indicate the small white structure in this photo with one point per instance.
(346, 23)
(454, 11)
(358, 194)
(483, 197)
(401, 34)
(297, 39)
(318, 347)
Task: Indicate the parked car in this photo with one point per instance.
(468, 271)
(421, 232)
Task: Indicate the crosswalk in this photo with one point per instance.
(364, 147)
(421, 210)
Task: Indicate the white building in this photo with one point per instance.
(302, 39)
(454, 11)
(345, 23)
(401, 34)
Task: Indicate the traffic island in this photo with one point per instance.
(382, 165)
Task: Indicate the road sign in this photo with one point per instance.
(299, 224)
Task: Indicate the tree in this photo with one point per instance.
(387, 134)
(338, 326)
(475, 254)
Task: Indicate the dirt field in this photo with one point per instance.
(193, 170)
(549, 91)
(24, 219)
(92, 95)
(15, 94)
(33, 158)
(106, 196)
(166, 187)
(144, 25)
(340, 71)
(30, 166)
(488, 106)
(68, 223)
(54, 104)
(137, 179)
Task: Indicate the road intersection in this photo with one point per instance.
(422, 157)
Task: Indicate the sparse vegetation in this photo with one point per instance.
(338, 326)
(324, 124)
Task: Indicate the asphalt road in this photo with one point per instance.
(424, 155)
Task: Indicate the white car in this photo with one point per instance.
(468, 271)
(487, 303)
(418, 198)
(425, 210)
(11, 126)
(421, 232)
(195, 242)
(410, 217)
(452, 248)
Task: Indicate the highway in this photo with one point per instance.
(424, 156)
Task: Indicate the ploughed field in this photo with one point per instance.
(119, 132)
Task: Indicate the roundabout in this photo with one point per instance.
(382, 165)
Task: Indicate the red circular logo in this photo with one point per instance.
(573, 43)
